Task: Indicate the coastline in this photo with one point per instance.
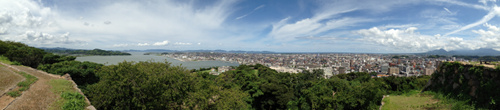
(187, 60)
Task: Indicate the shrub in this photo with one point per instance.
(23, 88)
(73, 101)
(16, 63)
(14, 93)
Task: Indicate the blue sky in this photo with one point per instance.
(374, 26)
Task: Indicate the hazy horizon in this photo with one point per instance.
(351, 26)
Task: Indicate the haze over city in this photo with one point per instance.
(373, 26)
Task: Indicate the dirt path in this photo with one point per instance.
(38, 96)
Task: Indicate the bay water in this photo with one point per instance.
(139, 56)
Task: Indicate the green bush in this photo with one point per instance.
(16, 63)
(23, 88)
(14, 93)
(73, 101)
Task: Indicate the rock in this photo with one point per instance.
(91, 108)
(67, 76)
(467, 76)
(473, 91)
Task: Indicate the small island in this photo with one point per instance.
(78, 52)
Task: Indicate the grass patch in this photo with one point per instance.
(455, 104)
(413, 100)
(5, 60)
(14, 93)
(427, 100)
(208, 71)
(16, 63)
(61, 85)
(23, 85)
(26, 83)
(255, 72)
(70, 99)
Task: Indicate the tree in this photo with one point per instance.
(28, 56)
(154, 85)
(83, 73)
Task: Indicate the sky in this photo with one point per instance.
(366, 26)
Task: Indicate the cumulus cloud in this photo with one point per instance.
(490, 38)
(161, 43)
(29, 22)
(410, 40)
(142, 44)
(41, 38)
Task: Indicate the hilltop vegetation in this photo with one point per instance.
(83, 73)
(84, 52)
(152, 85)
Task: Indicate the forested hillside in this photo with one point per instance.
(83, 73)
(152, 85)
(83, 52)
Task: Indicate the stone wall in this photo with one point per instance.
(480, 85)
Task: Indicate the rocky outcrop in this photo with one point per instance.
(478, 84)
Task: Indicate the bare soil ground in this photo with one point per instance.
(38, 96)
(485, 65)
(8, 79)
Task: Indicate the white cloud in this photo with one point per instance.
(485, 2)
(104, 23)
(494, 12)
(309, 27)
(410, 40)
(447, 10)
(142, 44)
(489, 38)
(181, 43)
(455, 2)
(245, 15)
(28, 22)
(120, 45)
(328, 17)
(161, 43)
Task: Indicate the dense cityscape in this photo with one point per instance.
(331, 64)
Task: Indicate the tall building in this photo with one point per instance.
(393, 70)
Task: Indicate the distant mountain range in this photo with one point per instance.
(477, 52)
(218, 51)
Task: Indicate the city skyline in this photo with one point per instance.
(370, 26)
